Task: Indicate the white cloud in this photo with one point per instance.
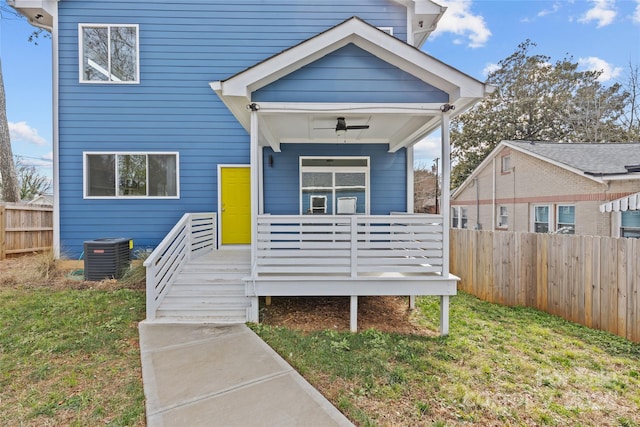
(592, 63)
(545, 12)
(636, 14)
(21, 131)
(490, 68)
(603, 11)
(459, 19)
(48, 156)
(425, 151)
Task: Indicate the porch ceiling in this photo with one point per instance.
(395, 129)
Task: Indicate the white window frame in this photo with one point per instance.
(503, 212)
(550, 221)
(557, 218)
(334, 169)
(463, 218)
(505, 163)
(81, 54)
(455, 217)
(623, 228)
(85, 165)
(388, 30)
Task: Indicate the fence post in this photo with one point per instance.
(3, 237)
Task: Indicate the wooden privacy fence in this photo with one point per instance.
(25, 229)
(589, 280)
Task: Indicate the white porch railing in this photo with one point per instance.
(193, 235)
(349, 246)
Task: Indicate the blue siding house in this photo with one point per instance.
(285, 126)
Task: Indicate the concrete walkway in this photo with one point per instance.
(224, 375)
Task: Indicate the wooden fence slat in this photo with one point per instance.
(25, 229)
(592, 280)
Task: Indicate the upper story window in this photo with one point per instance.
(109, 53)
(131, 175)
(388, 30)
(505, 164)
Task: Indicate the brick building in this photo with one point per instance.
(553, 187)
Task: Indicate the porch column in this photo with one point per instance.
(253, 311)
(446, 212)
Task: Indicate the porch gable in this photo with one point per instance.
(347, 76)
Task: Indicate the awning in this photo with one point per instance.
(623, 204)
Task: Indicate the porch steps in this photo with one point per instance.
(209, 289)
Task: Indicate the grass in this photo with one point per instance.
(498, 366)
(69, 356)
(69, 353)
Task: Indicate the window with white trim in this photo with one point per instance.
(566, 219)
(630, 224)
(541, 219)
(505, 164)
(342, 183)
(503, 217)
(463, 217)
(109, 53)
(454, 218)
(131, 175)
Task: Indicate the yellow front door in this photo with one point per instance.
(235, 198)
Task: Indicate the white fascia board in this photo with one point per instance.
(478, 169)
(578, 172)
(346, 108)
(621, 177)
(376, 42)
(32, 8)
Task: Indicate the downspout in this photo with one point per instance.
(493, 197)
(477, 184)
(56, 131)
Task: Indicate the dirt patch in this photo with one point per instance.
(383, 313)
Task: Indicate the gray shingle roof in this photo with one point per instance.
(592, 159)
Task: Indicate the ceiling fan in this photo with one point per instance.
(341, 126)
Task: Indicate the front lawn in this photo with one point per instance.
(498, 366)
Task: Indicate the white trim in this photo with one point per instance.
(85, 154)
(388, 30)
(410, 178)
(81, 55)
(463, 90)
(57, 242)
(219, 201)
(627, 203)
(556, 222)
(550, 221)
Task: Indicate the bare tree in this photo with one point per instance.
(32, 182)
(425, 189)
(631, 116)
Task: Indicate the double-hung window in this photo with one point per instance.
(463, 217)
(109, 53)
(566, 219)
(334, 185)
(541, 218)
(503, 217)
(630, 224)
(454, 218)
(131, 175)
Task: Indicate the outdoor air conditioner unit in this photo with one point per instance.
(107, 258)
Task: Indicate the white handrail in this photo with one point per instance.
(193, 235)
(350, 246)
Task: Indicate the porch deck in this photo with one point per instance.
(188, 279)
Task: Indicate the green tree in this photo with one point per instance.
(535, 100)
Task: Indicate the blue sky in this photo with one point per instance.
(472, 36)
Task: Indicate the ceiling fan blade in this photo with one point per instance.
(358, 127)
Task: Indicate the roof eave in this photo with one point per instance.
(39, 13)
